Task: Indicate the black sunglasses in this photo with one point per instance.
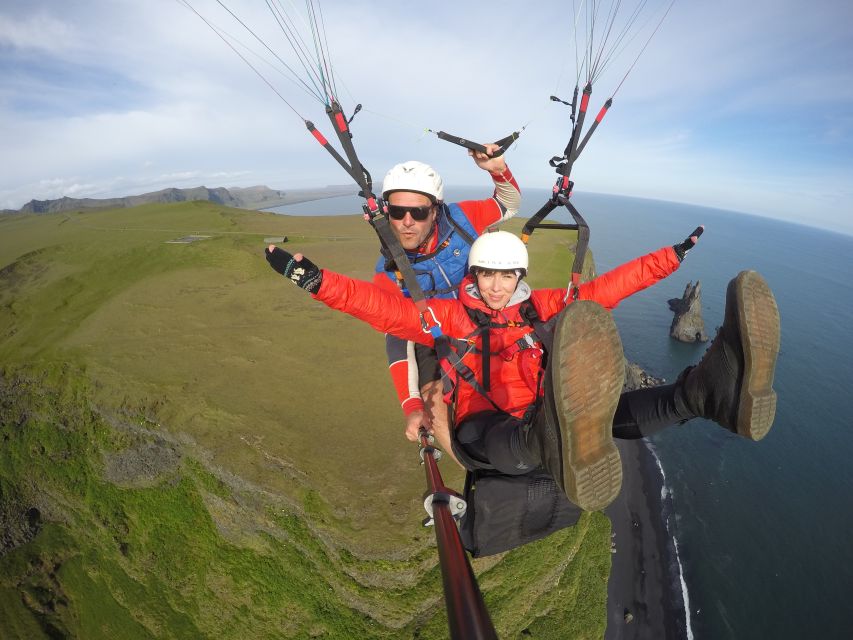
(398, 212)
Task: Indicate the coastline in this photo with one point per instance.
(645, 592)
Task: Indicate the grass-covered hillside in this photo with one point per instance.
(192, 447)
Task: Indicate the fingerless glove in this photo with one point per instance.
(302, 273)
(682, 248)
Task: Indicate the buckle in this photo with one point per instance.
(425, 325)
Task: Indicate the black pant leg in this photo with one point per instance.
(645, 412)
(493, 440)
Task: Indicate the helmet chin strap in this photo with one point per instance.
(423, 245)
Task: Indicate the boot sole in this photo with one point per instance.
(758, 318)
(586, 386)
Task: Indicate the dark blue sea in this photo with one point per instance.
(764, 530)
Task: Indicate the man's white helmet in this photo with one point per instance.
(498, 250)
(414, 176)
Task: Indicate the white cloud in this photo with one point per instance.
(148, 94)
(39, 32)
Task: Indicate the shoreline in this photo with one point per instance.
(646, 590)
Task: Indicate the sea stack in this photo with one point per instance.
(688, 325)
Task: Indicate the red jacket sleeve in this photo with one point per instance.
(484, 213)
(382, 281)
(610, 288)
(388, 312)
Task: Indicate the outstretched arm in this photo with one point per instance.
(384, 311)
(610, 288)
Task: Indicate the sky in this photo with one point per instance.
(740, 106)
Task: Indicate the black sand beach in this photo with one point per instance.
(644, 598)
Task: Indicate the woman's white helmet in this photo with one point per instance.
(414, 176)
(498, 250)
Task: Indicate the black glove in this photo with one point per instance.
(303, 274)
(682, 249)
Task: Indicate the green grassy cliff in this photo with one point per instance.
(191, 447)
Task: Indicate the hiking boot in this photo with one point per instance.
(583, 381)
(733, 383)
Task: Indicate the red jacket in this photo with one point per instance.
(511, 386)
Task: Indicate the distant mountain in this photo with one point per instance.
(258, 197)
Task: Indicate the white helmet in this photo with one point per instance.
(498, 250)
(414, 176)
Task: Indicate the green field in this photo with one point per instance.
(204, 451)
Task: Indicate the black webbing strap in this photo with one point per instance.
(503, 143)
(486, 358)
(421, 257)
(463, 371)
(582, 244)
(560, 197)
(572, 149)
(536, 219)
(339, 122)
(392, 245)
(544, 331)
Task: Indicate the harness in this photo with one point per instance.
(536, 343)
(437, 278)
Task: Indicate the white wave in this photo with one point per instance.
(664, 493)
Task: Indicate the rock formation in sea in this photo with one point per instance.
(688, 325)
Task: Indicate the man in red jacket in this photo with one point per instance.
(437, 237)
(513, 414)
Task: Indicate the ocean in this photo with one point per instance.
(763, 529)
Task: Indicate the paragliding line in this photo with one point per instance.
(242, 57)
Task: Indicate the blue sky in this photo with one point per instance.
(748, 108)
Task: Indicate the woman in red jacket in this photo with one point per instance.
(530, 392)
